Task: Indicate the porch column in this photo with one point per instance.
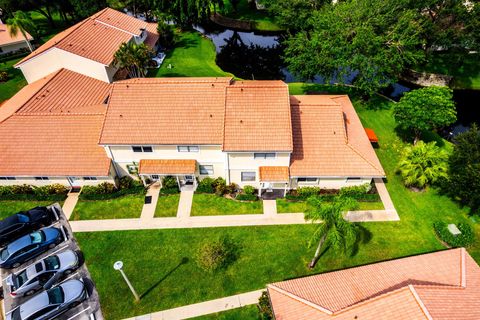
(285, 190)
(260, 190)
(178, 181)
(142, 177)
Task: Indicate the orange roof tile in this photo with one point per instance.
(166, 111)
(257, 117)
(120, 20)
(167, 167)
(440, 285)
(329, 139)
(152, 35)
(274, 174)
(6, 38)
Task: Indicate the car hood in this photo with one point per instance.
(72, 289)
(67, 259)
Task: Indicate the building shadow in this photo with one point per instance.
(183, 261)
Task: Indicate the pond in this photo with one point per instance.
(251, 55)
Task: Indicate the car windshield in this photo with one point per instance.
(4, 254)
(55, 295)
(52, 263)
(22, 218)
(21, 278)
(16, 314)
(37, 237)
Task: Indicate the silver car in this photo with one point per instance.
(51, 303)
(42, 274)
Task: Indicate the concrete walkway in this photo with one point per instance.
(70, 203)
(185, 204)
(148, 210)
(270, 207)
(204, 308)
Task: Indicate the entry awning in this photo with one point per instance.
(274, 174)
(167, 167)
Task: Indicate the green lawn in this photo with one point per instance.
(193, 56)
(15, 82)
(7, 207)
(211, 205)
(245, 313)
(129, 206)
(167, 205)
(465, 68)
(285, 206)
(263, 20)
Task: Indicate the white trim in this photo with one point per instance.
(109, 25)
(420, 302)
(463, 267)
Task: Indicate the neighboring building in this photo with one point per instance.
(442, 285)
(12, 44)
(88, 47)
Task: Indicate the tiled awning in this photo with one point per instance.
(274, 174)
(165, 167)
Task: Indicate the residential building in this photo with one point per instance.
(441, 285)
(9, 43)
(88, 47)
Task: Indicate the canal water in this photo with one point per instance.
(251, 55)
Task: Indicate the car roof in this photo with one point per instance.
(34, 304)
(19, 244)
(8, 221)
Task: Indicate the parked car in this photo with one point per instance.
(29, 246)
(23, 222)
(51, 303)
(42, 274)
(158, 59)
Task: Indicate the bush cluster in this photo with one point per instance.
(169, 185)
(248, 190)
(218, 186)
(464, 239)
(206, 185)
(106, 190)
(265, 309)
(246, 197)
(359, 193)
(53, 192)
(3, 76)
(354, 191)
(217, 254)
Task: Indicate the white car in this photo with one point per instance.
(158, 60)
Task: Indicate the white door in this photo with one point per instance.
(73, 181)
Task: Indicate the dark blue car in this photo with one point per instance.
(29, 246)
(24, 222)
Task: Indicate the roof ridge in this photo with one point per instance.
(109, 97)
(420, 302)
(364, 158)
(299, 299)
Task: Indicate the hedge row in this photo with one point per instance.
(52, 192)
(106, 190)
(464, 239)
(368, 197)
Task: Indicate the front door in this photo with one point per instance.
(73, 181)
(189, 180)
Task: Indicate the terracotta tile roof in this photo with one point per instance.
(97, 37)
(329, 139)
(6, 38)
(152, 35)
(167, 167)
(56, 145)
(274, 174)
(257, 117)
(440, 285)
(166, 111)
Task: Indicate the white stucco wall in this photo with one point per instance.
(55, 59)
(54, 180)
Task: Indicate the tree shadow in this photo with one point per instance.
(183, 261)
(363, 237)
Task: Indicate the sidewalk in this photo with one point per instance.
(185, 204)
(70, 203)
(148, 210)
(204, 308)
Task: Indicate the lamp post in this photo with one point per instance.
(118, 266)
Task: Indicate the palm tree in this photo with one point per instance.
(22, 22)
(422, 164)
(332, 230)
(134, 57)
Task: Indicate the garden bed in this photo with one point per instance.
(211, 205)
(287, 206)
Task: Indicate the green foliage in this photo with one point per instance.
(249, 189)
(355, 191)
(85, 8)
(205, 186)
(217, 254)
(3, 76)
(293, 14)
(464, 169)
(305, 192)
(133, 57)
(102, 188)
(425, 109)
(53, 192)
(466, 238)
(422, 164)
(246, 197)
(23, 23)
(266, 312)
(167, 35)
(106, 190)
(188, 12)
(169, 185)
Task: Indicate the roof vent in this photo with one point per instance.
(211, 116)
(121, 116)
(241, 121)
(213, 85)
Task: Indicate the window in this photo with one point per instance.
(7, 178)
(187, 148)
(248, 176)
(41, 178)
(142, 148)
(155, 177)
(89, 178)
(307, 180)
(206, 169)
(263, 155)
(353, 179)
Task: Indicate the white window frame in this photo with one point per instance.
(188, 149)
(312, 180)
(208, 171)
(41, 178)
(264, 155)
(142, 149)
(248, 172)
(353, 179)
(90, 178)
(8, 178)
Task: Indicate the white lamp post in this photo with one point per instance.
(118, 266)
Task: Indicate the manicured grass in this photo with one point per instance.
(263, 20)
(129, 206)
(15, 81)
(167, 205)
(248, 312)
(211, 205)
(193, 56)
(370, 205)
(285, 206)
(465, 68)
(7, 207)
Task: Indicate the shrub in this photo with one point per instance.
(126, 182)
(306, 192)
(50, 189)
(169, 182)
(206, 186)
(102, 188)
(355, 190)
(264, 307)
(3, 76)
(231, 188)
(246, 197)
(249, 190)
(22, 189)
(464, 239)
(53, 192)
(217, 254)
(219, 181)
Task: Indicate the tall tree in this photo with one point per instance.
(464, 169)
(425, 109)
(294, 15)
(21, 22)
(369, 41)
(85, 8)
(331, 229)
(422, 164)
(134, 57)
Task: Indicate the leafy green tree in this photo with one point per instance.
(422, 164)
(134, 57)
(425, 109)
(188, 12)
(85, 8)
(371, 40)
(464, 169)
(166, 32)
(294, 15)
(21, 22)
(332, 229)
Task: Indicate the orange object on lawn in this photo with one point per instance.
(371, 135)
